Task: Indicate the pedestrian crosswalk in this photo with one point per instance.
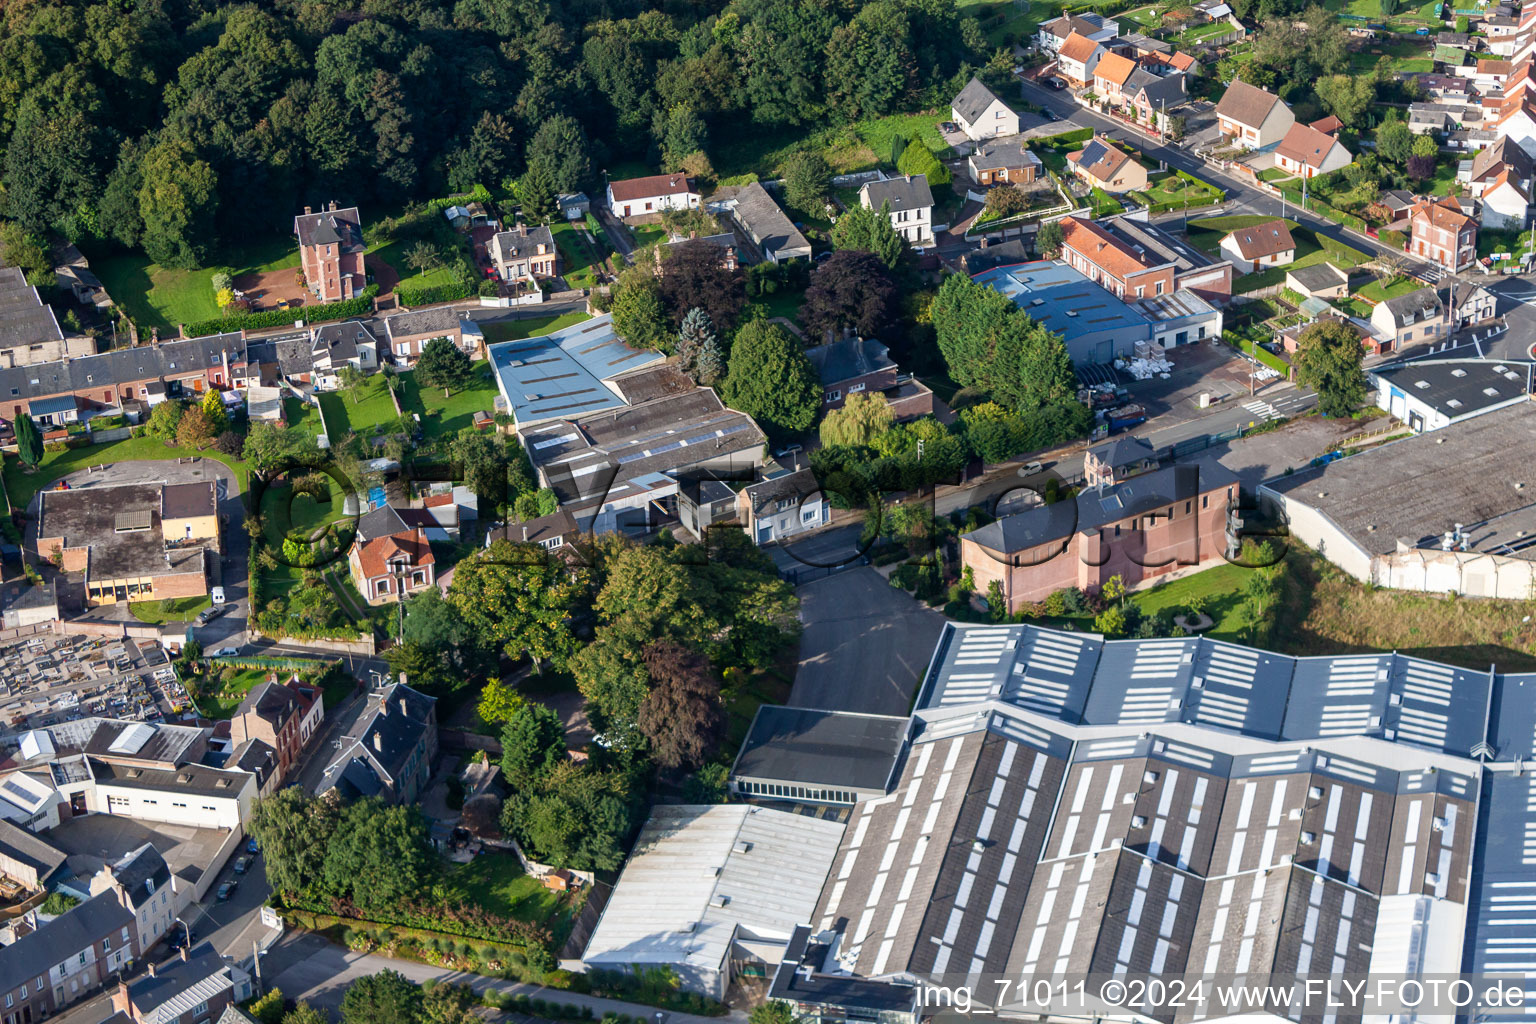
(1260, 410)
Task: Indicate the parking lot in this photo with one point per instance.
(48, 679)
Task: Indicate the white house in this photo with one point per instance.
(145, 886)
(1251, 117)
(1093, 26)
(1078, 58)
(344, 344)
(981, 115)
(1260, 247)
(1307, 152)
(1506, 203)
(784, 506)
(637, 197)
(910, 205)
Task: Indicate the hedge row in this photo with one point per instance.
(361, 305)
(413, 296)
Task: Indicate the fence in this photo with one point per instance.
(799, 575)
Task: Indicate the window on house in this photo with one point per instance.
(1205, 501)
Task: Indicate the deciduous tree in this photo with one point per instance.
(807, 183)
(1049, 238)
(194, 430)
(1329, 358)
(862, 418)
(693, 276)
(639, 316)
(383, 998)
(851, 290)
(517, 598)
(681, 716)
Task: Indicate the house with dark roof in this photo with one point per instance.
(1091, 26)
(408, 333)
(851, 365)
(390, 559)
(1003, 160)
(193, 987)
(1103, 164)
(1260, 247)
(1140, 528)
(1117, 459)
(761, 219)
(782, 507)
(29, 330)
(271, 713)
(645, 197)
(348, 343)
(331, 252)
(524, 253)
(1152, 96)
(69, 957)
(981, 115)
(389, 750)
(28, 860)
(550, 532)
(907, 200)
(144, 884)
(1418, 317)
(1252, 118)
(1428, 394)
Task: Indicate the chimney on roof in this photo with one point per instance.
(307, 211)
(151, 972)
(333, 206)
(378, 742)
(402, 706)
(183, 954)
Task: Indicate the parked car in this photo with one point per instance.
(251, 847)
(217, 595)
(1056, 83)
(242, 865)
(224, 652)
(207, 615)
(227, 890)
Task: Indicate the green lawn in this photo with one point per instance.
(1376, 293)
(783, 303)
(302, 416)
(1221, 587)
(1006, 21)
(529, 327)
(229, 692)
(1146, 17)
(156, 296)
(1199, 33)
(394, 255)
(648, 234)
(1177, 189)
(371, 408)
(1104, 204)
(444, 416)
(282, 512)
(182, 609)
(578, 255)
(21, 485)
(496, 882)
(1206, 233)
(1273, 174)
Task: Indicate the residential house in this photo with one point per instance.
(1077, 60)
(1192, 270)
(1096, 253)
(1395, 204)
(1111, 76)
(408, 333)
(390, 560)
(1432, 118)
(23, 604)
(29, 331)
(761, 219)
(981, 115)
(1259, 247)
(724, 244)
(550, 532)
(1110, 463)
(1307, 152)
(573, 205)
(1003, 160)
(46, 970)
(1469, 303)
(1251, 117)
(1418, 317)
(1501, 177)
(642, 197)
(852, 365)
(272, 714)
(1442, 234)
(388, 752)
(194, 987)
(1152, 96)
(311, 708)
(524, 253)
(1103, 164)
(782, 507)
(1446, 89)
(1140, 528)
(1506, 203)
(1095, 27)
(908, 202)
(1329, 125)
(1490, 74)
(335, 345)
(1515, 119)
(331, 252)
(143, 883)
(704, 503)
(1319, 281)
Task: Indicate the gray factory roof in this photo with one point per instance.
(1159, 245)
(1416, 489)
(1062, 299)
(37, 853)
(564, 374)
(194, 779)
(822, 747)
(120, 525)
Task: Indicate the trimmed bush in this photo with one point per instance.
(361, 305)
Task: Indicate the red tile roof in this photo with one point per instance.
(1327, 125)
(1100, 248)
(1445, 213)
(375, 554)
(1078, 47)
(1114, 68)
(655, 185)
(1305, 145)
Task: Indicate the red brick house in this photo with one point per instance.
(271, 714)
(331, 252)
(860, 364)
(1143, 527)
(390, 559)
(1101, 257)
(1440, 233)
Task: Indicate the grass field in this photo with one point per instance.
(444, 416)
(577, 255)
(496, 882)
(1376, 293)
(647, 234)
(394, 255)
(1103, 204)
(1206, 233)
(783, 303)
(182, 609)
(283, 512)
(861, 146)
(156, 296)
(531, 327)
(226, 698)
(1001, 19)
(371, 408)
(1176, 189)
(302, 416)
(21, 485)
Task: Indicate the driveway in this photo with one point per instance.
(865, 646)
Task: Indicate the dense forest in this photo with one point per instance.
(176, 126)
